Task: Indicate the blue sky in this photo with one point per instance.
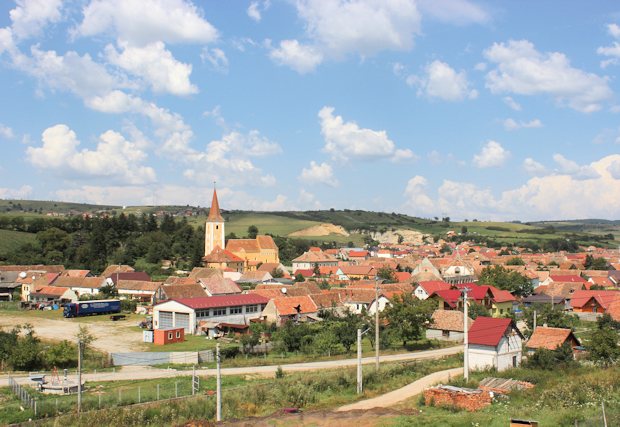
(471, 109)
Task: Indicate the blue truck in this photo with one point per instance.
(94, 307)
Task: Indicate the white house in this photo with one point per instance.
(81, 285)
(189, 312)
(427, 288)
(308, 260)
(494, 343)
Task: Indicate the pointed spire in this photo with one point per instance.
(214, 212)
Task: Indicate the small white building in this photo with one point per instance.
(425, 289)
(494, 343)
(447, 325)
(189, 312)
(308, 260)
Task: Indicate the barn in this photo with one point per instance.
(186, 313)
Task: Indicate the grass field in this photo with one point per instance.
(11, 240)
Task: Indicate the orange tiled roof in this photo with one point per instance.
(286, 305)
(550, 338)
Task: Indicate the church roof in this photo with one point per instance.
(214, 212)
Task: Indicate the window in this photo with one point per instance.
(219, 312)
(251, 309)
(169, 335)
(445, 333)
(235, 310)
(178, 334)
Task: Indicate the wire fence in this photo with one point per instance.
(41, 405)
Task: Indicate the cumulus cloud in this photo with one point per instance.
(299, 57)
(533, 167)
(6, 132)
(512, 124)
(459, 12)
(22, 192)
(491, 155)
(545, 197)
(256, 8)
(142, 22)
(346, 140)
(30, 17)
(570, 167)
(416, 196)
(443, 82)
(521, 69)
(155, 65)
(339, 28)
(318, 173)
(114, 158)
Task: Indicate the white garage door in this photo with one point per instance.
(182, 321)
(165, 320)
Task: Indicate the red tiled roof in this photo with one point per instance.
(217, 286)
(550, 338)
(266, 242)
(568, 278)
(402, 276)
(51, 291)
(246, 245)
(449, 320)
(431, 286)
(603, 298)
(450, 296)
(222, 301)
(358, 254)
(286, 305)
(488, 330)
(221, 256)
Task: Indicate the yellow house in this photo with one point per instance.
(260, 250)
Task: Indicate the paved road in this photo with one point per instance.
(143, 372)
(404, 393)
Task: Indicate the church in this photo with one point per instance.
(237, 254)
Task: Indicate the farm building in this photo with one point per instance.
(188, 312)
(494, 343)
(447, 325)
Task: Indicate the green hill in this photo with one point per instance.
(11, 240)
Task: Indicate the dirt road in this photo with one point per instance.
(110, 336)
(142, 372)
(404, 393)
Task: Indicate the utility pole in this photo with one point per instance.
(359, 361)
(218, 385)
(376, 323)
(79, 397)
(466, 336)
(534, 328)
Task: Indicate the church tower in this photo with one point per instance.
(214, 227)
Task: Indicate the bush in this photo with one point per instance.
(229, 352)
(128, 305)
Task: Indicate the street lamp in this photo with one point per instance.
(359, 359)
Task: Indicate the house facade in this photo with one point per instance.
(494, 343)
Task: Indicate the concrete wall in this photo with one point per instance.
(154, 358)
(437, 334)
(500, 358)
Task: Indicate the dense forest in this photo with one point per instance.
(142, 242)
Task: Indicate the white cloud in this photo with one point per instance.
(521, 69)
(569, 167)
(301, 58)
(443, 82)
(459, 12)
(30, 16)
(216, 57)
(318, 173)
(7, 44)
(346, 140)
(533, 167)
(491, 155)
(336, 29)
(6, 132)
(512, 103)
(613, 51)
(308, 200)
(512, 124)
(154, 64)
(543, 197)
(417, 198)
(22, 192)
(256, 8)
(142, 22)
(115, 158)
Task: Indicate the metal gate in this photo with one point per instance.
(165, 320)
(182, 321)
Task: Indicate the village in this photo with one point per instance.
(516, 306)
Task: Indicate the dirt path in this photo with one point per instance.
(410, 390)
(109, 336)
(142, 372)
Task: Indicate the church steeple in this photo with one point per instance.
(214, 227)
(214, 212)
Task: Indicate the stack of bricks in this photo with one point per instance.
(462, 398)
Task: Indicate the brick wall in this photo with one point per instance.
(468, 400)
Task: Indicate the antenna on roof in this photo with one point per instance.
(283, 290)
